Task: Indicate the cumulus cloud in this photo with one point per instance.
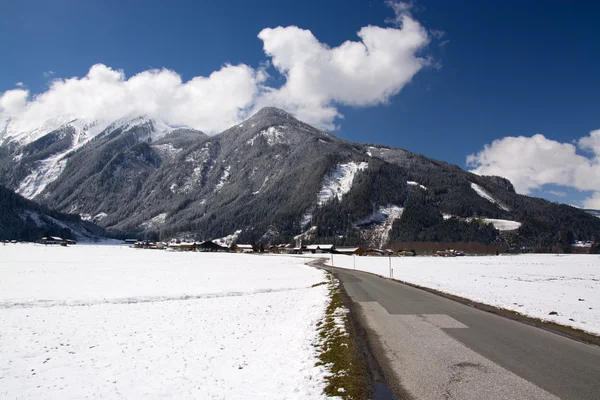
(591, 143)
(211, 103)
(592, 202)
(317, 80)
(356, 73)
(12, 102)
(532, 162)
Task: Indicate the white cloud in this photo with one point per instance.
(532, 162)
(13, 101)
(592, 202)
(591, 143)
(318, 79)
(211, 103)
(359, 73)
(401, 8)
(356, 73)
(19, 84)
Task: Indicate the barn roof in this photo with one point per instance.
(320, 247)
(347, 249)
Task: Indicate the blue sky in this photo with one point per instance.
(493, 70)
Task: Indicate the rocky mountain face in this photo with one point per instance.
(273, 178)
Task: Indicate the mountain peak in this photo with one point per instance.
(270, 112)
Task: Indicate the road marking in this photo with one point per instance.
(430, 364)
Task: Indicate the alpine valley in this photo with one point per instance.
(271, 179)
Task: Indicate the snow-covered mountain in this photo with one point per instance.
(271, 177)
(41, 154)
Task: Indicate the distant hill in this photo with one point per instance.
(273, 178)
(22, 219)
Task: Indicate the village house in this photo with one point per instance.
(145, 244)
(56, 240)
(186, 246)
(357, 251)
(244, 248)
(321, 248)
(210, 246)
(282, 249)
(291, 249)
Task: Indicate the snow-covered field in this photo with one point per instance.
(534, 285)
(114, 322)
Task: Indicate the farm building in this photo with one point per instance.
(358, 251)
(321, 248)
(244, 248)
(211, 246)
(146, 244)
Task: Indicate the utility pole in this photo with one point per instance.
(391, 270)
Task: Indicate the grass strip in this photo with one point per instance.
(339, 352)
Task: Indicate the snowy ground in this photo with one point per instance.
(114, 322)
(533, 285)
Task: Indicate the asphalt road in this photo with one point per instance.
(437, 348)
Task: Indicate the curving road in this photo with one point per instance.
(432, 347)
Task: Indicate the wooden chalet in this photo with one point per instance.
(244, 248)
(210, 246)
(321, 248)
(357, 251)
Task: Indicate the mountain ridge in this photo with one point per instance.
(273, 176)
